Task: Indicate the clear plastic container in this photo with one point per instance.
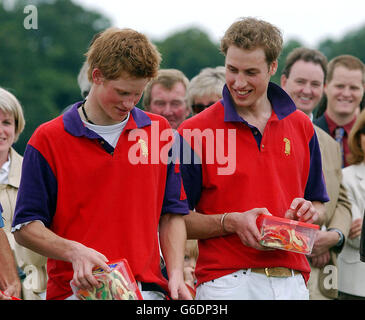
(119, 284)
(286, 234)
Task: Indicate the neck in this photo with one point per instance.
(257, 115)
(85, 114)
(3, 157)
(341, 120)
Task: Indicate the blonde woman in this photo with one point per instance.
(351, 269)
(30, 264)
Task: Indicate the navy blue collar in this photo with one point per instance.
(74, 125)
(280, 101)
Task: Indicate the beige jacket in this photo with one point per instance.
(351, 271)
(33, 264)
(338, 209)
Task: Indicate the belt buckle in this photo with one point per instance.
(275, 272)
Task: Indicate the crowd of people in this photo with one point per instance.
(176, 188)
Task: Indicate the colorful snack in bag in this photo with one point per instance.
(283, 237)
(286, 234)
(119, 284)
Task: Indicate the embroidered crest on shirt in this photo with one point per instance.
(287, 146)
(144, 147)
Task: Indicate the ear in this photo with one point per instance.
(283, 80)
(98, 77)
(325, 88)
(187, 111)
(273, 67)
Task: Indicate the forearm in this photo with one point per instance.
(9, 279)
(35, 236)
(172, 240)
(40, 239)
(203, 226)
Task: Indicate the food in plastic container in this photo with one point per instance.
(286, 234)
(119, 284)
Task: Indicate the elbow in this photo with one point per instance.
(19, 237)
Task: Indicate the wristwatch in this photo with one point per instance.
(342, 237)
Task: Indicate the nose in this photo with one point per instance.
(129, 103)
(346, 91)
(240, 80)
(307, 89)
(167, 110)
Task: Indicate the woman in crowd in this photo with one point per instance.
(351, 269)
(31, 265)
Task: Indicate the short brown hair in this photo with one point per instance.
(347, 61)
(356, 154)
(115, 51)
(307, 55)
(167, 78)
(251, 33)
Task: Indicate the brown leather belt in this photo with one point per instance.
(280, 272)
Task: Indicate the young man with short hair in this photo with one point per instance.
(84, 201)
(344, 89)
(274, 165)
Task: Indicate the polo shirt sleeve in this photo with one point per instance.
(191, 172)
(37, 194)
(175, 198)
(316, 188)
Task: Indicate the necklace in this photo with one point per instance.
(84, 112)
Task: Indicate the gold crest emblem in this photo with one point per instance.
(287, 146)
(144, 147)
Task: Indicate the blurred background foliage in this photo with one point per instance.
(41, 66)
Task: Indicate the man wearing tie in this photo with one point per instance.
(344, 90)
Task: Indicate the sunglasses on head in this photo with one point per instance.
(199, 107)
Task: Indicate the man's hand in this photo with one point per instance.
(355, 230)
(321, 260)
(244, 225)
(178, 289)
(302, 210)
(83, 261)
(324, 241)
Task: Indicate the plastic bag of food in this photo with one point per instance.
(119, 284)
(286, 234)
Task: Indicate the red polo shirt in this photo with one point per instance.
(85, 190)
(228, 166)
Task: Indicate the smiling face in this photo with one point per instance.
(344, 92)
(115, 98)
(169, 103)
(247, 75)
(304, 85)
(7, 131)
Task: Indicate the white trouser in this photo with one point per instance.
(247, 285)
